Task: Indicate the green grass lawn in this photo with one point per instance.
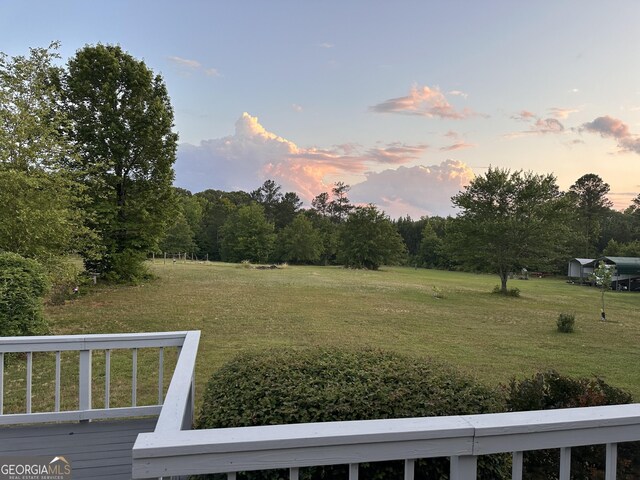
(491, 337)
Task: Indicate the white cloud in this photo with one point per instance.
(189, 66)
(419, 190)
(185, 62)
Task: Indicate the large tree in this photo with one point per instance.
(588, 195)
(300, 242)
(123, 128)
(507, 221)
(40, 206)
(247, 235)
(368, 240)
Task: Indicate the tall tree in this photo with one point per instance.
(321, 204)
(123, 129)
(300, 242)
(40, 206)
(588, 194)
(269, 196)
(507, 221)
(340, 206)
(247, 235)
(368, 240)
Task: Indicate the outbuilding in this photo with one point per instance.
(580, 268)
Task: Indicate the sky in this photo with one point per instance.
(406, 101)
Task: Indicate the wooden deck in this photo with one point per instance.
(96, 450)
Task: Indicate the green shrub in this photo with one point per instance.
(320, 385)
(23, 284)
(512, 292)
(64, 276)
(127, 266)
(566, 322)
(550, 390)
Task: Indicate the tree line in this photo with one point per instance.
(86, 166)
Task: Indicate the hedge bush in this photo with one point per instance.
(550, 390)
(565, 322)
(320, 385)
(23, 284)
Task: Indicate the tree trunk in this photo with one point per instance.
(504, 276)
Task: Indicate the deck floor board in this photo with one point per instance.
(100, 449)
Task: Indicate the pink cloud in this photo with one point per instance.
(423, 101)
(524, 115)
(541, 126)
(253, 154)
(609, 127)
(457, 146)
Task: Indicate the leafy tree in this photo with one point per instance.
(269, 196)
(247, 235)
(368, 240)
(430, 247)
(507, 221)
(287, 209)
(411, 233)
(32, 122)
(340, 206)
(122, 127)
(217, 206)
(39, 213)
(328, 232)
(321, 204)
(588, 194)
(178, 237)
(300, 242)
(40, 206)
(602, 276)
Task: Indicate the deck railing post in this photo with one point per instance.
(611, 462)
(516, 466)
(565, 463)
(464, 467)
(84, 385)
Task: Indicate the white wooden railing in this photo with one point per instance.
(175, 450)
(461, 438)
(179, 395)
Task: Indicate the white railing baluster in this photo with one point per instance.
(294, 473)
(107, 377)
(161, 376)
(134, 377)
(1, 383)
(565, 463)
(409, 469)
(611, 462)
(516, 466)
(84, 381)
(29, 378)
(231, 476)
(353, 471)
(464, 467)
(57, 388)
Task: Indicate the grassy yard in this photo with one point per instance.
(491, 337)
